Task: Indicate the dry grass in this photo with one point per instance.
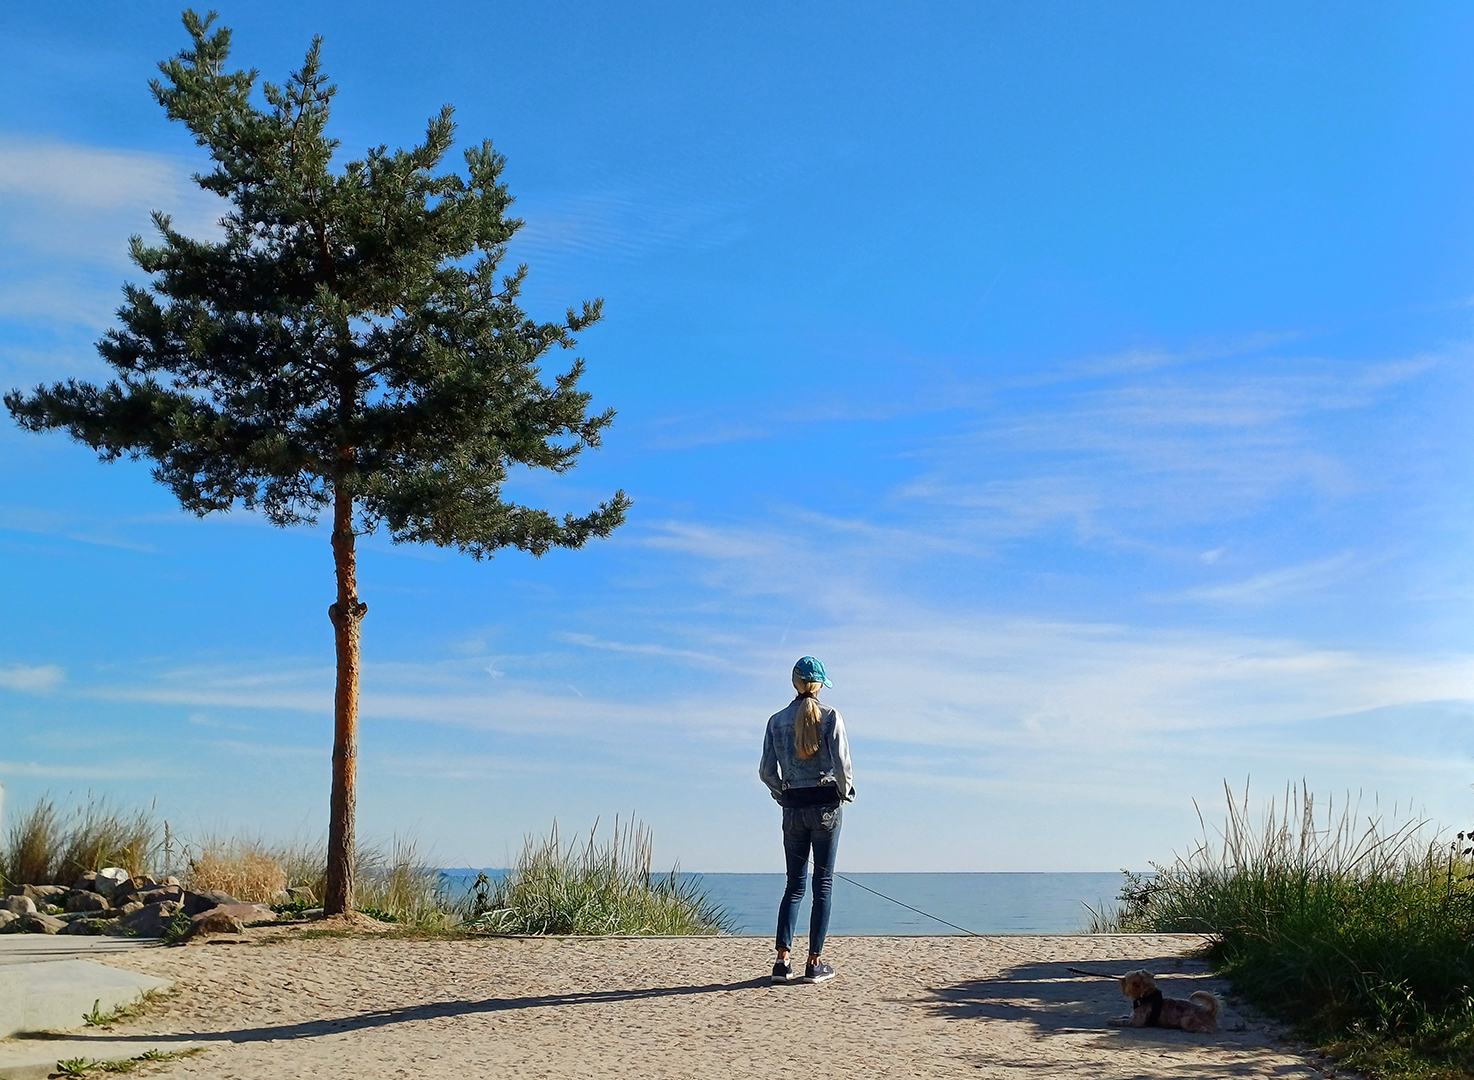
(245, 869)
(47, 847)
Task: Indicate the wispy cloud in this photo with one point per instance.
(66, 212)
(32, 680)
(1273, 585)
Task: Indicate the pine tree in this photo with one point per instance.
(348, 345)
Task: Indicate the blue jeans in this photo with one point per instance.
(805, 828)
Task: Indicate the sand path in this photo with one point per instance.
(901, 1007)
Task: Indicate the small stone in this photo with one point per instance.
(148, 921)
(215, 921)
(85, 900)
(19, 905)
(42, 924)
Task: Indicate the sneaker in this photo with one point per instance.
(783, 972)
(817, 973)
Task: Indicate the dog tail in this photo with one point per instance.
(1208, 1000)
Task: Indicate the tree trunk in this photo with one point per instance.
(346, 615)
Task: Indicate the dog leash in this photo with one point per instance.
(1096, 974)
(908, 907)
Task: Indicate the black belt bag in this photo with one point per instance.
(822, 795)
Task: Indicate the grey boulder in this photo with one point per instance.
(18, 905)
(84, 900)
(148, 921)
(109, 879)
(215, 921)
(86, 926)
(158, 895)
(196, 902)
(42, 924)
(86, 883)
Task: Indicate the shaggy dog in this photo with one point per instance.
(1150, 1009)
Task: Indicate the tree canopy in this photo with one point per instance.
(349, 342)
(350, 332)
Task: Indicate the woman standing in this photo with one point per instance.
(806, 765)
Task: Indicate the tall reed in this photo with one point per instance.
(602, 888)
(1359, 930)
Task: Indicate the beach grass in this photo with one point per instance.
(600, 887)
(1357, 931)
(48, 846)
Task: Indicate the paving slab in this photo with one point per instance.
(29, 948)
(35, 1059)
(54, 995)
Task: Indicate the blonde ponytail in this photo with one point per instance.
(806, 724)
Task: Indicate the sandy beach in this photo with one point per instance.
(909, 1007)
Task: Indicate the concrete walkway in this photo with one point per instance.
(48, 984)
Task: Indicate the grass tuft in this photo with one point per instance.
(1359, 933)
(47, 847)
(604, 888)
(245, 869)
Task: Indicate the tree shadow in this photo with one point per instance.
(309, 1029)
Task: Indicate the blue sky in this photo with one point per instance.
(1086, 384)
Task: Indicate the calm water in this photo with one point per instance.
(983, 903)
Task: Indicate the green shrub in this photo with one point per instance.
(603, 889)
(1360, 934)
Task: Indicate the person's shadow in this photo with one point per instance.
(309, 1029)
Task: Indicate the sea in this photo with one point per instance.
(911, 904)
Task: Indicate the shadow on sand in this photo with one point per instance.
(435, 1010)
(1054, 1001)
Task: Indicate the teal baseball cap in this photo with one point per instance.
(810, 670)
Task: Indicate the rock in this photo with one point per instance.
(170, 880)
(19, 905)
(7, 917)
(301, 892)
(86, 883)
(196, 902)
(155, 896)
(87, 926)
(84, 900)
(248, 913)
(144, 882)
(215, 921)
(130, 907)
(110, 878)
(41, 924)
(43, 894)
(148, 921)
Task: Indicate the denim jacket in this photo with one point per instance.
(781, 766)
